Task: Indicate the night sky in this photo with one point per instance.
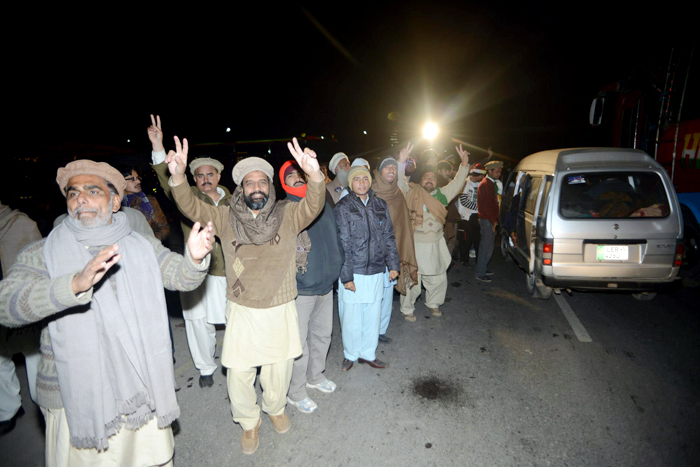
(517, 78)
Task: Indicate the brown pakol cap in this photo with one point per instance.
(87, 167)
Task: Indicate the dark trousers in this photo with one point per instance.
(468, 234)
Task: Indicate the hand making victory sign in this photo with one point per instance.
(463, 154)
(306, 160)
(405, 152)
(155, 133)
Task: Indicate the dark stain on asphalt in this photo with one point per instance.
(456, 284)
(483, 349)
(567, 336)
(428, 445)
(634, 399)
(434, 388)
(190, 379)
(629, 355)
(555, 335)
(448, 299)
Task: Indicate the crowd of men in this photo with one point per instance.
(263, 265)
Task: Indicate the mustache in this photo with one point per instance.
(257, 193)
(84, 210)
(299, 183)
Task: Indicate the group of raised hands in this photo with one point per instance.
(463, 154)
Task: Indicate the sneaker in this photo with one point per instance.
(489, 273)
(483, 278)
(384, 339)
(472, 253)
(206, 381)
(326, 386)
(410, 317)
(281, 423)
(435, 311)
(305, 406)
(249, 439)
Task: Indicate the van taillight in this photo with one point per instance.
(547, 250)
(678, 261)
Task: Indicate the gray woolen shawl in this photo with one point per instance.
(113, 356)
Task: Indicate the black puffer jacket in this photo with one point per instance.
(366, 236)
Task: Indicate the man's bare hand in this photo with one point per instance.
(177, 160)
(350, 286)
(463, 154)
(201, 241)
(95, 269)
(405, 152)
(155, 133)
(306, 159)
(393, 274)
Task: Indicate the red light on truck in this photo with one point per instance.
(547, 261)
(679, 255)
(547, 248)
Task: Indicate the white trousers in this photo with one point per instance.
(145, 447)
(202, 308)
(435, 291)
(10, 398)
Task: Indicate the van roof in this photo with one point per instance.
(578, 158)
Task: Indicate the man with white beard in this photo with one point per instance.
(339, 165)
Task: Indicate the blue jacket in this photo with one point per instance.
(366, 236)
(324, 260)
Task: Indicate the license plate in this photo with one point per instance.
(612, 253)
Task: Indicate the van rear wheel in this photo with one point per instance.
(644, 295)
(540, 290)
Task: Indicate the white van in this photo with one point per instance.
(592, 219)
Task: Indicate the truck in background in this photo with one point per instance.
(657, 110)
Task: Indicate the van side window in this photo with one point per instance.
(532, 195)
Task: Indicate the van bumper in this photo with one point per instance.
(607, 284)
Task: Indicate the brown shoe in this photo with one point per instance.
(410, 317)
(249, 440)
(281, 423)
(347, 364)
(376, 363)
(435, 312)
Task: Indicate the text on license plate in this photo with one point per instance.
(612, 252)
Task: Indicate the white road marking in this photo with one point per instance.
(573, 320)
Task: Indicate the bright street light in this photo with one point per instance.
(430, 130)
(228, 130)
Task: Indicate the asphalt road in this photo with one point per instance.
(501, 379)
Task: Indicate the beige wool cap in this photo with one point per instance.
(251, 164)
(358, 170)
(333, 164)
(87, 167)
(200, 161)
(494, 165)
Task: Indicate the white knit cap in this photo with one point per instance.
(334, 161)
(359, 161)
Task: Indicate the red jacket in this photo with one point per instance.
(486, 201)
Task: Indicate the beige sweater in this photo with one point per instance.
(257, 276)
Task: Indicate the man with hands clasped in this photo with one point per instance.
(259, 236)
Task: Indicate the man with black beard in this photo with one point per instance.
(339, 165)
(204, 307)
(259, 238)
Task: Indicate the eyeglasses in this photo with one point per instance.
(131, 179)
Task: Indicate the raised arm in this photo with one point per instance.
(308, 209)
(189, 205)
(401, 175)
(155, 134)
(455, 187)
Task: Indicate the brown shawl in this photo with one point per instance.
(401, 221)
(416, 197)
(258, 229)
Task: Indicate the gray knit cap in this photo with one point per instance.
(251, 164)
(388, 160)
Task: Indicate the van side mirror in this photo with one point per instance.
(595, 116)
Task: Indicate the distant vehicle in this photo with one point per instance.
(657, 110)
(592, 219)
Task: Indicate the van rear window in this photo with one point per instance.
(613, 195)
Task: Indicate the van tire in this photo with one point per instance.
(644, 296)
(535, 287)
(504, 247)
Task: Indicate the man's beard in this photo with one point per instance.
(89, 223)
(255, 205)
(342, 177)
(428, 187)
